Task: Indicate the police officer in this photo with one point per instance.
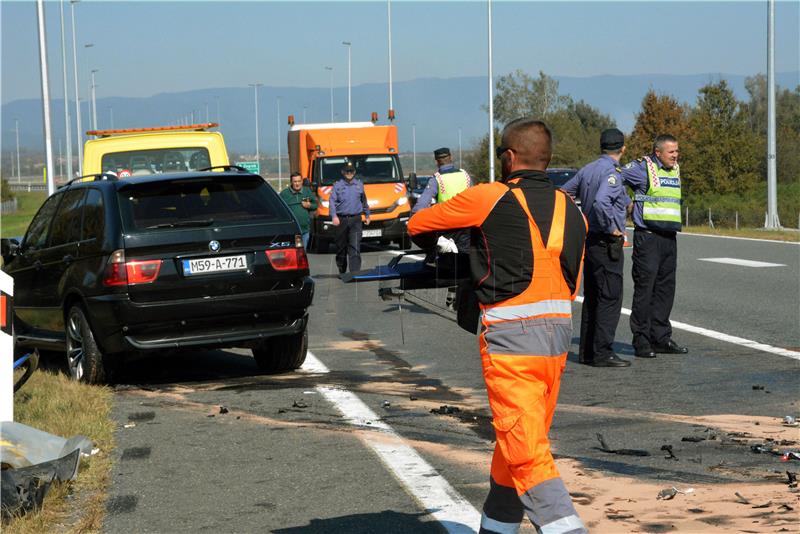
(604, 203)
(347, 202)
(656, 184)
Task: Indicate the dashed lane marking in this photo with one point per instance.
(743, 263)
(436, 495)
(725, 337)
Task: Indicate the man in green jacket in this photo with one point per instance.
(302, 202)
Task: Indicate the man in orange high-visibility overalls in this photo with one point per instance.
(526, 254)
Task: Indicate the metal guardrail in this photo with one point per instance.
(27, 187)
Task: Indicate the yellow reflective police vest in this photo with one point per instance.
(451, 183)
(661, 205)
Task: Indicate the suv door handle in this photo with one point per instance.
(68, 259)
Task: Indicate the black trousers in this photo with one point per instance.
(602, 296)
(655, 259)
(348, 243)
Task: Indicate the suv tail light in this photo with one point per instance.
(288, 259)
(120, 272)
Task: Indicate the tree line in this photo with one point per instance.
(722, 139)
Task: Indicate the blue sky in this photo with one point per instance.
(144, 48)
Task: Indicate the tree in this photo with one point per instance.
(660, 114)
(724, 150)
(520, 95)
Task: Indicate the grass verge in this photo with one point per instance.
(15, 224)
(52, 402)
(756, 233)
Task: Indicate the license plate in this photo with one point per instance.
(371, 233)
(214, 265)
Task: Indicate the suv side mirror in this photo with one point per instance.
(9, 247)
(412, 180)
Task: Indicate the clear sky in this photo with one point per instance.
(144, 48)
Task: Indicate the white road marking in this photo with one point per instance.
(689, 234)
(430, 488)
(743, 263)
(724, 337)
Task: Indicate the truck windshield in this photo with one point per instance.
(370, 169)
(156, 161)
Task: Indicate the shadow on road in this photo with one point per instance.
(385, 522)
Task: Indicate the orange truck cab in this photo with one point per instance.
(318, 152)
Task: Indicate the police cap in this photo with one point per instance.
(348, 166)
(611, 139)
(440, 153)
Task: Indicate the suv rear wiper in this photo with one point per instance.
(196, 222)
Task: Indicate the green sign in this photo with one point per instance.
(251, 166)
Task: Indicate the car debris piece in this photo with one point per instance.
(740, 498)
(696, 510)
(129, 424)
(792, 479)
(412, 397)
(758, 387)
(668, 450)
(790, 421)
(386, 404)
(785, 507)
(765, 505)
(790, 455)
(693, 439)
(446, 410)
(299, 404)
(624, 452)
(223, 409)
(668, 494)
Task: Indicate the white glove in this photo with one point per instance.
(446, 245)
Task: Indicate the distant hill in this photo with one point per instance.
(438, 107)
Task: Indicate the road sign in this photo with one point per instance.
(251, 166)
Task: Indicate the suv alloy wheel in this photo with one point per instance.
(84, 358)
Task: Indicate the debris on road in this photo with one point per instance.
(668, 450)
(790, 455)
(299, 404)
(412, 397)
(758, 387)
(223, 409)
(790, 421)
(129, 424)
(693, 439)
(445, 410)
(668, 494)
(740, 498)
(792, 476)
(624, 452)
(386, 404)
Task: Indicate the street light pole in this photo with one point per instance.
(67, 125)
(491, 102)
(219, 120)
(773, 220)
(19, 163)
(280, 171)
(48, 141)
(331, 70)
(94, 101)
(347, 44)
(111, 116)
(304, 114)
(414, 145)
(77, 94)
(389, 22)
(255, 87)
(460, 161)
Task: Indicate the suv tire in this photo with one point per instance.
(282, 353)
(84, 357)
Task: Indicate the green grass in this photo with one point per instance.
(758, 233)
(15, 224)
(53, 403)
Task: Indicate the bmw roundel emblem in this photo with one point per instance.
(213, 246)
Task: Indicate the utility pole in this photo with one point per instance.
(280, 171)
(491, 101)
(48, 141)
(460, 160)
(331, 70)
(255, 87)
(77, 94)
(19, 163)
(772, 182)
(219, 120)
(67, 125)
(347, 44)
(111, 116)
(389, 23)
(414, 145)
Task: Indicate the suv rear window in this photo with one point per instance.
(156, 161)
(199, 202)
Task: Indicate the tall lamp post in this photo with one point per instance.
(414, 145)
(460, 161)
(331, 71)
(19, 163)
(772, 220)
(347, 44)
(255, 87)
(67, 124)
(491, 102)
(77, 94)
(94, 101)
(111, 116)
(86, 48)
(48, 141)
(280, 171)
(389, 23)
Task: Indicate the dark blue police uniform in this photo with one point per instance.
(348, 201)
(598, 185)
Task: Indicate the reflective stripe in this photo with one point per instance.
(523, 311)
(544, 336)
(662, 211)
(496, 526)
(648, 198)
(564, 525)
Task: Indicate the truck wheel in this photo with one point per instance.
(282, 353)
(85, 361)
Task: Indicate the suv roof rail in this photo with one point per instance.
(225, 167)
(111, 177)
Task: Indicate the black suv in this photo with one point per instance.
(112, 268)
